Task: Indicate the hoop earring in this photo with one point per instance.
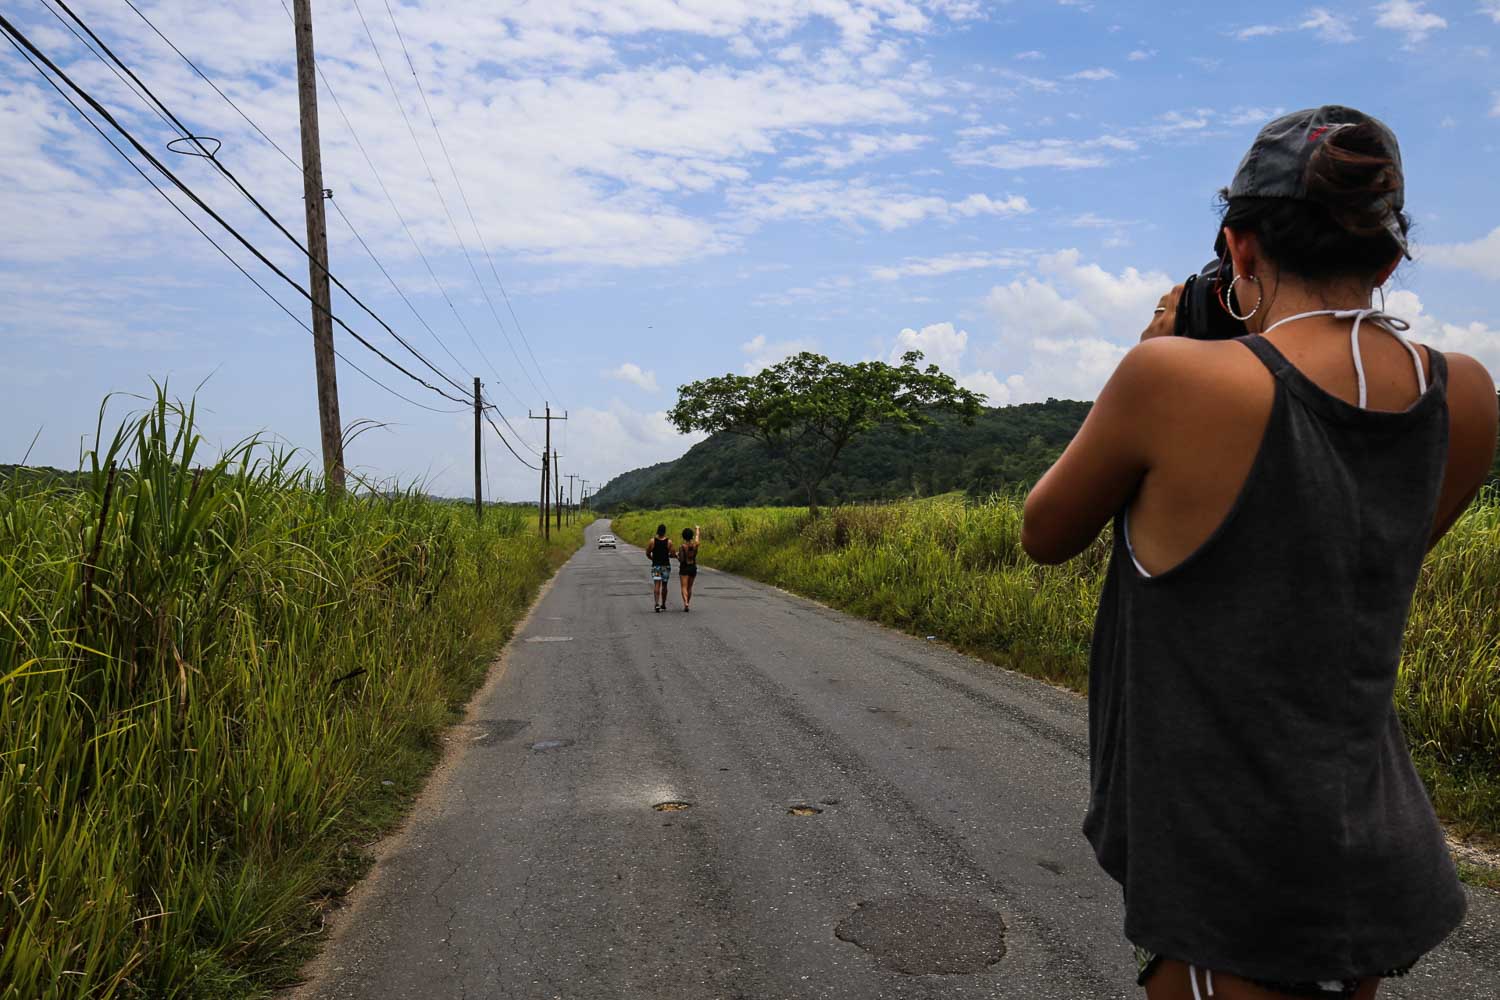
(1229, 297)
(1381, 290)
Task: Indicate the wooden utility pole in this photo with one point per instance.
(571, 477)
(478, 457)
(557, 482)
(317, 250)
(545, 524)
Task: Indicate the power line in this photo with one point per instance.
(25, 43)
(248, 120)
(228, 174)
(533, 468)
(380, 181)
(432, 177)
(463, 195)
(288, 157)
(202, 232)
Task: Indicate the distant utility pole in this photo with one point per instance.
(545, 527)
(557, 480)
(478, 492)
(571, 477)
(317, 250)
(544, 524)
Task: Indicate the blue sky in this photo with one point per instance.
(671, 190)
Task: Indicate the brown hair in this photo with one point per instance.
(1339, 230)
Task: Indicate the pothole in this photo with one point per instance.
(672, 807)
(542, 746)
(926, 935)
(803, 811)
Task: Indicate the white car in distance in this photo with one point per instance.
(607, 542)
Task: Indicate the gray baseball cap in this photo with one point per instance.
(1276, 165)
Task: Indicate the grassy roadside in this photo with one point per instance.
(979, 592)
(214, 692)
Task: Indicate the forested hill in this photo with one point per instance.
(1005, 447)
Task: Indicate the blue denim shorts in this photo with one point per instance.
(660, 574)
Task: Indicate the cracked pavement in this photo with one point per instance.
(545, 873)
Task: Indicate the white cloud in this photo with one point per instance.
(1481, 256)
(606, 441)
(859, 202)
(1328, 26)
(1065, 327)
(859, 147)
(1097, 73)
(928, 267)
(1141, 55)
(761, 353)
(996, 392)
(1495, 109)
(1253, 116)
(1410, 18)
(1065, 154)
(1031, 55)
(632, 373)
(941, 344)
(1492, 8)
(1475, 339)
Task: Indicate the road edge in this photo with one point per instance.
(312, 973)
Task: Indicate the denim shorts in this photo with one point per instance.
(660, 574)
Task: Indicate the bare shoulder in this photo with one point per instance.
(1473, 406)
(1470, 383)
(1168, 373)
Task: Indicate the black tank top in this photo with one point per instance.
(660, 552)
(1251, 786)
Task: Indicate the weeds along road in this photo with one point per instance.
(937, 854)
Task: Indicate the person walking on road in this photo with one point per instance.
(687, 569)
(1272, 498)
(661, 551)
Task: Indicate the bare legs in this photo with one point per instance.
(686, 581)
(1171, 982)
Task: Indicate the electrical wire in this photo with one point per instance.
(25, 43)
(354, 133)
(288, 157)
(202, 232)
(230, 176)
(472, 220)
(432, 177)
(534, 468)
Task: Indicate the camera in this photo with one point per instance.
(1203, 311)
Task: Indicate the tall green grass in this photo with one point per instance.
(980, 592)
(213, 689)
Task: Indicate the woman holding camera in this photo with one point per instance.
(1272, 498)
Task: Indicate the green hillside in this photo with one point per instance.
(1006, 447)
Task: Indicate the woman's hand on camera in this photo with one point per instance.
(1165, 321)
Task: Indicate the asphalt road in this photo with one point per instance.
(868, 815)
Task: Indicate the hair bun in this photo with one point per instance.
(1353, 176)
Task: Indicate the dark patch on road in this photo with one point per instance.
(499, 730)
(924, 935)
(542, 746)
(1052, 866)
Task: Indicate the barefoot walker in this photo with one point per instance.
(1272, 496)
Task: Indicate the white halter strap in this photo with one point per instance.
(1394, 325)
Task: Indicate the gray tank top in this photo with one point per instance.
(1251, 787)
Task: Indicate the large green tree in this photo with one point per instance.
(806, 409)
